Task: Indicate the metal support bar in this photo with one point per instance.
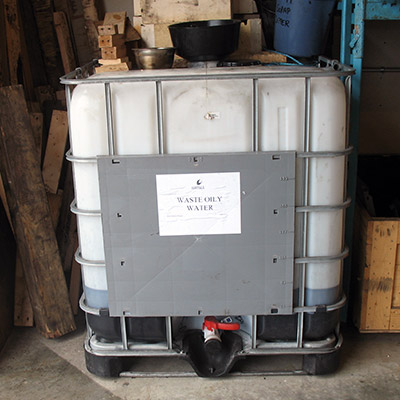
(110, 125)
(255, 116)
(124, 335)
(78, 211)
(302, 268)
(160, 117)
(168, 321)
(254, 332)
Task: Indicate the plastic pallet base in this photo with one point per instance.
(112, 367)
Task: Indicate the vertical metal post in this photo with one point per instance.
(123, 333)
(110, 125)
(160, 117)
(254, 331)
(255, 149)
(302, 267)
(255, 116)
(168, 321)
(347, 84)
(68, 103)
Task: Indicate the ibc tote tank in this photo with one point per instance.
(212, 111)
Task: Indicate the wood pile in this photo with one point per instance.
(39, 42)
(112, 43)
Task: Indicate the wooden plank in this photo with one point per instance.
(4, 69)
(112, 68)
(111, 40)
(61, 99)
(30, 214)
(131, 34)
(396, 287)
(4, 199)
(116, 18)
(55, 150)
(23, 311)
(33, 106)
(67, 228)
(55, 201)
(395, 320)
(43, 11)
(109, 53)
(7, 274)
(37, 131)
(91, 19)
(13, 38)
(75, 284)
(64, 41)
(380, 281)
(80, 37)
(361, 260)
(31, 49)
(114, 61)
(398, 254)
(45, 94)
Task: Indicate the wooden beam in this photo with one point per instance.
(23, 311)
(4, 70)
(32, 51)
(380, 281)
(55, 150)
(112, 68)
(7, 256)
(75, 284)
(13, 38)
(80, 36)
(64, 41)
(30, 214)
(91, 20)
(67, 228)
(43, 11)
(37, 131)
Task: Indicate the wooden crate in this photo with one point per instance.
(376, 262)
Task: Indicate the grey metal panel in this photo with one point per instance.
(238, 274)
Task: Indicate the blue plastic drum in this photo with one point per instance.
(301, 26)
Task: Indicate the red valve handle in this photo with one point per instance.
(212, 323)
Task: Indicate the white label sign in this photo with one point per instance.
(199, 204)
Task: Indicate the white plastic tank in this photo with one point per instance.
(216, 116)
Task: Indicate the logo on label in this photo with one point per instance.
(198, 183)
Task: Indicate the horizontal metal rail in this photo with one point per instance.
(78, 211)
(309, 348)
(323, 154)
(310, 154)
(322, 259)
(322, 308)
(322, 208)
(188, 74)
(92, 263)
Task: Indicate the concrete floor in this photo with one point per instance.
(34, 368)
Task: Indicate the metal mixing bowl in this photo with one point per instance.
(154, 57)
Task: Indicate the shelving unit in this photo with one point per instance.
(354, 15)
